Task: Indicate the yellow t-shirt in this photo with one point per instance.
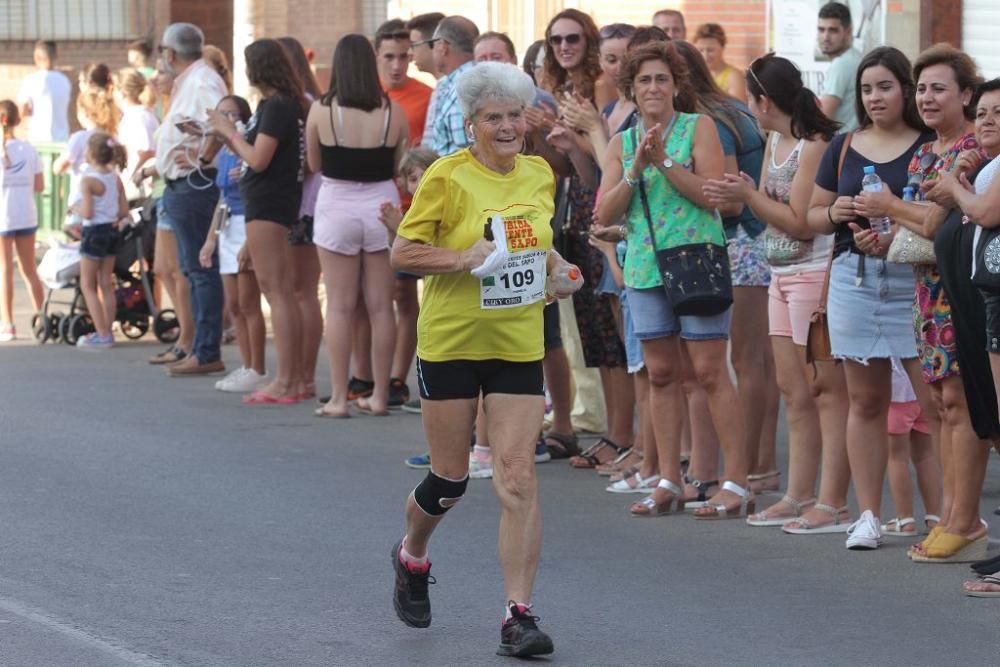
(456, 198)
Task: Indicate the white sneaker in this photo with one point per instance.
(238, 372)
(480, 463)
(7, 333)
(246, 381)
(864, 534)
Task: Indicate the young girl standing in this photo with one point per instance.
(100, 204)
(238, 278)
(20, 178)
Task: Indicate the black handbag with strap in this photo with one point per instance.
(695, 275)
(987, 252)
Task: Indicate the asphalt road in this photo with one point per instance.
(154, 521)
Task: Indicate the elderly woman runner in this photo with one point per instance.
(482, 337)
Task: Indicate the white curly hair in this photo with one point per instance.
(493, 82)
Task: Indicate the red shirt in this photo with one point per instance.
(414, 97)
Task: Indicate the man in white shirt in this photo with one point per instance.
(833, 34)
(191, 195)
(44, 97)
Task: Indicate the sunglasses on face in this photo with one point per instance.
(428, 42)
(557, 40)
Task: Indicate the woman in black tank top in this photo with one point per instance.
(355, 137)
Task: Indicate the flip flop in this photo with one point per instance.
(261, 397)
(985, 579)
(323, 412)
(365, 408)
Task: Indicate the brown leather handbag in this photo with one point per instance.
(818, 343)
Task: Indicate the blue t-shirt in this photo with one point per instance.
(749, 152)
(226, 161)
(848, 183)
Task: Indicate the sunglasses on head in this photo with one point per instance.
(617, 31)
(573, 38)
(753, 73)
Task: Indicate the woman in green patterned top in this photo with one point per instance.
(672, 154)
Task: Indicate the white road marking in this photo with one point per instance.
(49, 622)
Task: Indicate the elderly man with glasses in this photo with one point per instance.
(453, 47)
(184, 159)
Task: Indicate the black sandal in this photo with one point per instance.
(703, 495)
(587, 459)
(560, 445)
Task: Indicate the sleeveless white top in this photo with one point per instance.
(106, 205)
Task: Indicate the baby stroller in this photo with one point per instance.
(60, 270)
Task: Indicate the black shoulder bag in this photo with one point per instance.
(987, 253)
(696, 275)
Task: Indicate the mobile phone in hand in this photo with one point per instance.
(191, 126)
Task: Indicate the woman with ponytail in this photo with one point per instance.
(815, 402)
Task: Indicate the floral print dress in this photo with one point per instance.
(932, 322)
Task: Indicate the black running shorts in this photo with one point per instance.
(462, 379)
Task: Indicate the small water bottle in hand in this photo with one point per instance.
(872, 183)
(565, 280)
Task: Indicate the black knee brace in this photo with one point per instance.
(436, 495)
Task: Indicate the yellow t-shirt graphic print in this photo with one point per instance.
(456, 198)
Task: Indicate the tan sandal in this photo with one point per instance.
(799, 508)
(802, 526)
(624, 460)
(765, 482)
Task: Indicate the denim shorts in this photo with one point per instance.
(653, 317)
(162, 219)
(608, 284)
(633, 348)
(100, 241)
(14, 233)
(873, 320)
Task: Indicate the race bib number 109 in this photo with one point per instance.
(521, 281)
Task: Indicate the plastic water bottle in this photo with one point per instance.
(872, 183)
(908, 193)
(562, 281)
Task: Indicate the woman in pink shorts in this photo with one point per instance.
(815, 397)
(355, 137)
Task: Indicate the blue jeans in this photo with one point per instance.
(190, 212)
